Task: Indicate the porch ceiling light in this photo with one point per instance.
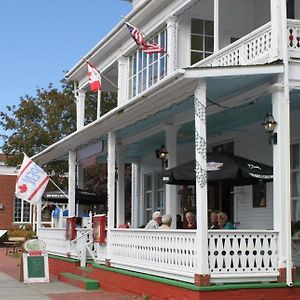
(269, 124)
(162, 154)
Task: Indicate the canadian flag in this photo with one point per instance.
(94, 78)
(31, 181)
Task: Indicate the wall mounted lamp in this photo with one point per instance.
(162, 154)
(269, 124)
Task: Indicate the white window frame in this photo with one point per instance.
(205, 53)
(147, 69)
(155, 192)
(23, 203)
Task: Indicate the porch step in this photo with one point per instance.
(79, 281)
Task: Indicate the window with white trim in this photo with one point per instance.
(154, 194)
(22, 211)
(147, 69)
(202, 39)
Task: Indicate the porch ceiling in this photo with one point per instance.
(139, 124)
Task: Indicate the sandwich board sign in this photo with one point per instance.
(35, 262)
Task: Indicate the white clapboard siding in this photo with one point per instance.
(248, 217)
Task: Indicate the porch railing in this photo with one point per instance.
(233, 256)
(294, 38)
(242, 253)
(253, 48)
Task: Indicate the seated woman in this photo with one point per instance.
(190, 221)
(223, 221)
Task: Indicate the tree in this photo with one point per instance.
(44, 119)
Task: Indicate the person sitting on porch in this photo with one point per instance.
(190, 221)
(213, 219)
(223, 221)
(155, 222)
(166, 221)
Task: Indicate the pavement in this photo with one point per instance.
(12, 288)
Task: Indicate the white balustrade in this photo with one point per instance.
(237, 252)
(251, 49)
(233, 255)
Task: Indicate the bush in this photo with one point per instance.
(27, 233)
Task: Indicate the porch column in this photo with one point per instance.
(71, 189)
(111, 160)
(80, 108)
(275, 30)
(135, 195)
(171, 191)
(281, 183)
(202, 276)
(172, 44)
(216, 25)
(120, 186)
(122, 84)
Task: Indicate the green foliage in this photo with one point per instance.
(41, 120)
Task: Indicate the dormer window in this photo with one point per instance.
(202, 39)
(147, 69)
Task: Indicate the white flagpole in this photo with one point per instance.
(38, 217)
(58, 187)
(99, 104)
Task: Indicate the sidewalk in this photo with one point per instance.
(11, 288)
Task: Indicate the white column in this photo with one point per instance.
(135, 195)
(120, 186)
(111, 160)
(172, 44)
(276, 29)
(80, 108)
(38, 217)
(72, 176)
(282, 172)
(122, 80)
(216, 25)
(201, 180)
(171, 191)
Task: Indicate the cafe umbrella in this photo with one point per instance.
(221, 166)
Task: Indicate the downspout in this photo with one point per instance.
(285, 58)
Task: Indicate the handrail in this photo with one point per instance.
(83, 235)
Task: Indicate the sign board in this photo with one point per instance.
(36, 267)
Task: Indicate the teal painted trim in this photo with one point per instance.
(63, 258)
(90, 284)
(191, 286)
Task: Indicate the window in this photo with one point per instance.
(259, 195)
(22, 211)
(290, 9)
(147, 69)
(202, 39)
(154, 195)
(295, 182)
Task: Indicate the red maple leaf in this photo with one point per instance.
(23, 188)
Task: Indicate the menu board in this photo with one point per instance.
(35, 266)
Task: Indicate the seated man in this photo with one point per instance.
(214, 220)
(166, 221)
(155, 222)
(223, 221)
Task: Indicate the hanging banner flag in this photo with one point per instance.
(31, 181)
(93, 78)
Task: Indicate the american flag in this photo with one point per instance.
(136, 34)
(152, 48)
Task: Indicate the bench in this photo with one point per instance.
(13, 244)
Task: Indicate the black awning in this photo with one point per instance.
(221, 166)
(81, 197)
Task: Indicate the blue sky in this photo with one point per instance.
(40, 39)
